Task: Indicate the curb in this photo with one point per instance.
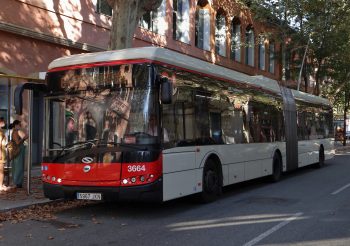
(342, 148)
(21, 207)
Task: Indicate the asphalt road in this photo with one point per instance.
(308, 207)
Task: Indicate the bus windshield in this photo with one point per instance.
(102, 114)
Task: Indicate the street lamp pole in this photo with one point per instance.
(302, 64)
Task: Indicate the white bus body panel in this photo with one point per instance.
(329, 148)
(308, 151)
(183, 166)
(179, 172)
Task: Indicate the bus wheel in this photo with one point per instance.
(212, 182)
(321, 158)
(276, 168)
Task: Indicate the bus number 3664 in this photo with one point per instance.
(136, 168)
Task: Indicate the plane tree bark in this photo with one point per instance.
(126, 15)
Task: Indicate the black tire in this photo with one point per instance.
(276, 168)
(321, 158)
(212, 182)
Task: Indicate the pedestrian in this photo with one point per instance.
(3, 142)
(18, 136)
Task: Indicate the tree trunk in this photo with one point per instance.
(317, 79)
(305, 78)
(126, 15)
(344, 131)
(306, 84)
(346, 107)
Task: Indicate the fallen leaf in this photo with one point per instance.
(72, 226)
(41, 211)
(95, 221)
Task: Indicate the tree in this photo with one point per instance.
(308, 21)
(338, 90)
(324, 24)
(126, 15)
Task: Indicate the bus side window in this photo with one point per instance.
(215, 127)
(179, 121)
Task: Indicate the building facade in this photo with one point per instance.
(221, 32)
(35, 32)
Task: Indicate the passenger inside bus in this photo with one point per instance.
(256, 128)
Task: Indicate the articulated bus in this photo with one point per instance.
(152, 124)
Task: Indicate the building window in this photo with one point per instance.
(181, 20)
(220, 33)
(272, 57)
(236, 40)
(250, 46)
(155, 20)
(103, 7)
(262, 52)
(202, 34)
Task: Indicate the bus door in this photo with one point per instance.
(179, 156)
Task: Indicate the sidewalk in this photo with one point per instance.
(339, 148)
(18, 198)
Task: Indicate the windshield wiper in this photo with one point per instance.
(77, 145)
(93, 144)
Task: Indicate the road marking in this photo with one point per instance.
(272, 230)
(341, 189)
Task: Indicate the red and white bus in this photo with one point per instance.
(152, 124)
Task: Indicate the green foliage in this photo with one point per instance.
(326, 24)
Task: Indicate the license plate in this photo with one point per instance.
(89, 196)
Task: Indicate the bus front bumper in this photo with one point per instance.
(150, 192)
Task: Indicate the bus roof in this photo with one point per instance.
(305, 97)
(176, 59)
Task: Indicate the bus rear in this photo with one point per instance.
(102, 133)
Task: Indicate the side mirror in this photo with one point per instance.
(166, 91)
